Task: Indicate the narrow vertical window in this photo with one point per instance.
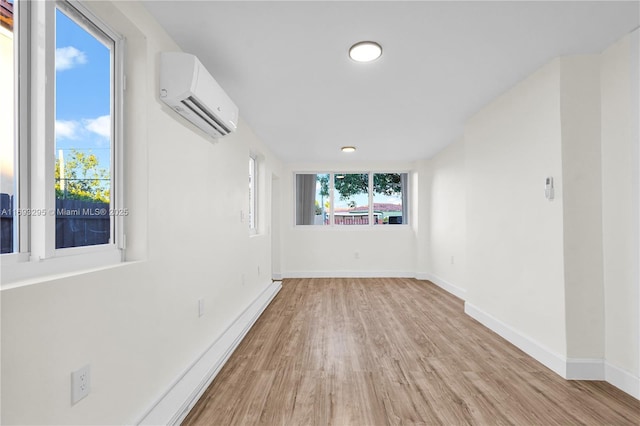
(351, 198)
(389, 195)
(8, 139)
(84, 136)
(252, 194)
(61, 195)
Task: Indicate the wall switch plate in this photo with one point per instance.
(80, 383)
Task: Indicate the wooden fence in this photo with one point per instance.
(78, 223)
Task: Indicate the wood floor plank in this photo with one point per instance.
(391, 351)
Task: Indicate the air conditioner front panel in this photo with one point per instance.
(209, 93)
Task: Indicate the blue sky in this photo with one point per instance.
(82, 90)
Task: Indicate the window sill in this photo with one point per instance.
(19, 270)
(341, 228)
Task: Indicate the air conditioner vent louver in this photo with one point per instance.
(207, 116)
(188, 88)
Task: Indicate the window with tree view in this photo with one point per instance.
(83, 131)
(351, 199)
(8, 140)
(389, 198)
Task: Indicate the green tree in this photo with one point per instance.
(324, 185)
(324, 193)
(350, 184)
(358, 183)
(84, 179)
(387, 183)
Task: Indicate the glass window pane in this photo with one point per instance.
(312, 199)
(8, 141)
(351, 198)
(252, 194)
(389, 192)
(83, 142)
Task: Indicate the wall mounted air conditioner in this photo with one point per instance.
(188, 88)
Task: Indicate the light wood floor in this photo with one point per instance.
(391, 351)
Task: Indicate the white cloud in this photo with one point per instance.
(69, 57)
(67, 129)
(79, 129)
(100, 125)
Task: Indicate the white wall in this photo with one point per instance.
(560, 278)
(137, 324)
(315, 251)
(582, 199)
(620, 214)
(421, 195)
(446, 193)
(276, 233)
(515, 269)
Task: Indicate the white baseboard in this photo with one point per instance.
(622, 379)
(447, 286)
(571, 368)
(422, 276)
(585, 369)
(175, 404)
(276, 276)
(348, 274)
(547, 357)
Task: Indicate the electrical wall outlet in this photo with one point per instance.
(80, 383)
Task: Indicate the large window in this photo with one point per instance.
(8, 139)
(83, 130)
(345, 199)
(61, 134)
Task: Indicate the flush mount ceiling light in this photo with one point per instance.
(348, 148)
(365, 51)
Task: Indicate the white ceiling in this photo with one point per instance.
(285, 65)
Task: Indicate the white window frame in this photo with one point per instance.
(253, 194)
(370, 225)
(36, 255)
